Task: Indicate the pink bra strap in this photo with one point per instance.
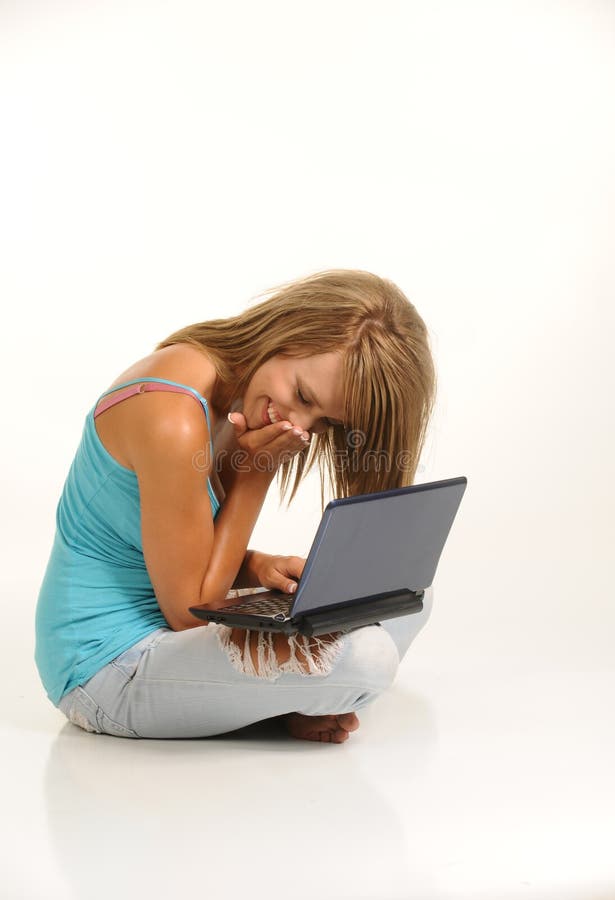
(140, 389)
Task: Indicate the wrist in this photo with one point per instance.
(260, 476)
(248, 577)
(251, 480)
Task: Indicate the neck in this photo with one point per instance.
(221, 399)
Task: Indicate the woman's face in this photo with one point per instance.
(306, 392)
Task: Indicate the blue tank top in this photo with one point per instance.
(96, 599)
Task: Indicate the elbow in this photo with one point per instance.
(189, 622)
(185, 627)
(183, 620)
(180, 618)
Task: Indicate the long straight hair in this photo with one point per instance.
(389, 376)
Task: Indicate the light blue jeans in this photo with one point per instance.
(197, 683)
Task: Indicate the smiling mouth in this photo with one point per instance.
(270, 415)
(273, 413)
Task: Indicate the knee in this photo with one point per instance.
(371, 660)
(366, 657)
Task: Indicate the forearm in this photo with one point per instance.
(232, 530)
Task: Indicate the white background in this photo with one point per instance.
(162, 163)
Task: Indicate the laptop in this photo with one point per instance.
(372, 558)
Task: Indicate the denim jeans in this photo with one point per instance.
(193, 683)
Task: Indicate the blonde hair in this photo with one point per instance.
(389, 377)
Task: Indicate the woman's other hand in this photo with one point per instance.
(278, 572)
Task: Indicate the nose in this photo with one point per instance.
(311, 424)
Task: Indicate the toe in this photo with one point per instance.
(348, 721)
(326, 729)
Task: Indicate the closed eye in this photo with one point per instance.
(307, 403)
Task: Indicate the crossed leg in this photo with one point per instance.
(267, 654)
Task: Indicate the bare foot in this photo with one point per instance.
(329, 729)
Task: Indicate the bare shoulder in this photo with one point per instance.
(179, 362)
(174, 438)
(128, 429)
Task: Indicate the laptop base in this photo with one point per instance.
(323, 620)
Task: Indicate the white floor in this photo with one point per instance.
(490, 781)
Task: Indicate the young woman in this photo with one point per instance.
(164, 491)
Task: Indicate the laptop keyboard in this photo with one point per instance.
(269, 607)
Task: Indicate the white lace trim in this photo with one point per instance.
(320, 653)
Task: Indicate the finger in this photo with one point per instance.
(238, 421)
(279, 581)
(282, 447)
(297, 437)
(295, 566)
(267, 432)
(285, 581)
(274, 431)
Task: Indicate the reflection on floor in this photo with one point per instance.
(455, 785)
